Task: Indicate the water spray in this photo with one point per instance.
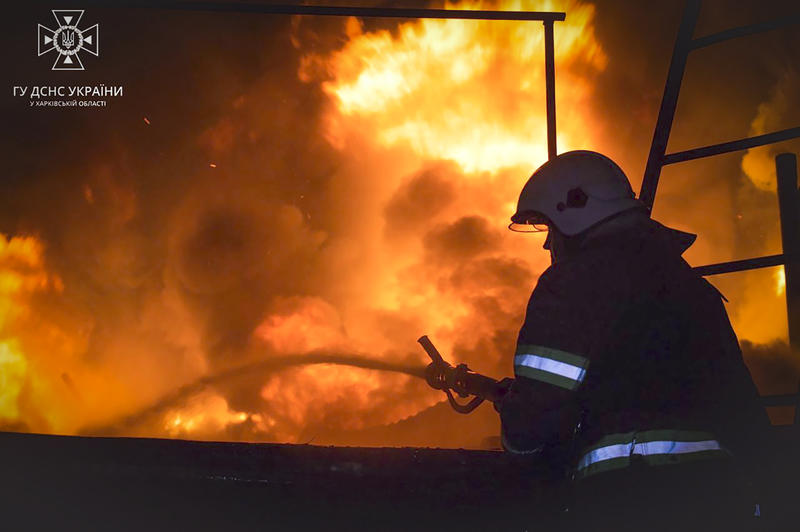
(270, 365)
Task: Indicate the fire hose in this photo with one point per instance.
(440, 375)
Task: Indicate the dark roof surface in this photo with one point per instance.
(77, 483)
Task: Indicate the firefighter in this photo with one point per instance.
(627, 368)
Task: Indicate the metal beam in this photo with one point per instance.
(550, 88)
(736, 145)
(340, 11)
(669, 102)
(739, 265)
(745, 30)
(789, 207)
(547, 17)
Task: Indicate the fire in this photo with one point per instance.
(46, 382)
(467, 91)
(780, 281)
(462, 101)
(34, 349)
(469, 94)
(290, 410)
(13, 369)
(450, 117)
(207, 415)
(21, 275)
(302, 324)
(425, 135)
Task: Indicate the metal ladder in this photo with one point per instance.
(786, 163)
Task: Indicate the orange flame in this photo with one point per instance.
(21, 274)
(463, 98)
(454, 108)
(780, 281)
(467, 91)
(207, 416)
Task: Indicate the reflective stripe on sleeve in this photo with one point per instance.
(550, 365)
(653, 446)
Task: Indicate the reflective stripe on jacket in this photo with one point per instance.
(552, 366)
(654, 447)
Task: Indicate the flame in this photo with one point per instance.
(13, 369)
(467, 91)
(289, 409)
(43, 342)
(32, 347)
(21, 274)
(457, 105)
(428, 132)
(780, 281)
(311, 324)
(207, 415)
(470, 96)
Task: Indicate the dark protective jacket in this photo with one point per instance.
(625, 340)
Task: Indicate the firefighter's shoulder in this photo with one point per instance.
(571, 313)
(554, 344)
(576, 291)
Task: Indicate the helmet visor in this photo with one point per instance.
(528, 228)
(529, 222)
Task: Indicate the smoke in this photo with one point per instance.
(773, 115)
(763, 302)
(774, 367)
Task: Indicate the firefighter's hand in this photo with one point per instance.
(519, 418)
(533, 414)
(504, 384)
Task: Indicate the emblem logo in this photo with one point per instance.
(68, 40)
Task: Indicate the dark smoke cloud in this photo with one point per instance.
(775, 367)
(233, 255)
(465, 238)
(422, 198)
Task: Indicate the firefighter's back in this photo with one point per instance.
(668, 404)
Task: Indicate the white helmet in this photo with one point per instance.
(573, 192)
